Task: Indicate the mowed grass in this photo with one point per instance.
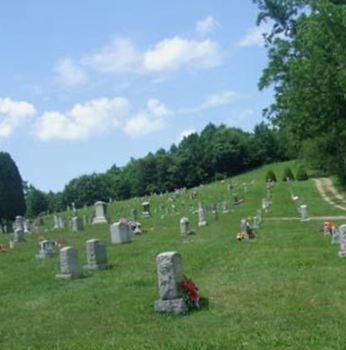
(284, 290)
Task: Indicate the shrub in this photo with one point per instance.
(271, 176)
(301, 174)
(288, 175)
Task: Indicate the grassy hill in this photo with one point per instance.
(284, 290)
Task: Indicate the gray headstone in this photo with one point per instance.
(120, 232)
(100, 213)
(48, 249)
(170, 275)
(185, 227)
(69, 265)
(96, 255)
(77, 224)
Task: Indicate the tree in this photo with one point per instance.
(12, 200)
(308, 72)
(36, 202)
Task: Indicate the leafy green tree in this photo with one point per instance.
(12, 200)
(36, 202)
(308, 74)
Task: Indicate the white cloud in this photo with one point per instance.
(83, 120)
(185, 133)
(206, 26)
(98, 116)
(254, 36)
(177, 52)
(149, 121)
(120, 56)
(215, 100)
(69, 73)
(13, 114)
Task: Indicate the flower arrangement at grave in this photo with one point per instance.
(328, 227)
(190, 293)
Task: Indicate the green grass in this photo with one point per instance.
(285, 290)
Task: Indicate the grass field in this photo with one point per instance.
(284, 290)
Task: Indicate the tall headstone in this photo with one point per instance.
(48, 248)
(96, 255)
(120, 232)
(18, 235)
(214, 214)
(69, 265)
(256, 223)
(146, 209)
(342, 232)
(19, 223)
(304, 213)
(77, 224)
(62, 223)
(56, 225)
(225, 208)
(100, 213)
(170, 275)
(201, 216)
(185, 227)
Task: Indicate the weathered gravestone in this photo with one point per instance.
(146, 209)
(170, 275)
(77, 224)
(69, 265)
(225, 208)
(335, 235)
(201, 216)
(256, 223)
(185, 227)
(18, 236)
(304, 216)
(96, 255)
(48, 248)
(56, 225)
(62, 223)
(19, 223)
(120, 232)
(342, 251)
(100, 213)
(214, 212)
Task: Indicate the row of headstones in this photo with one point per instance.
(338, 236)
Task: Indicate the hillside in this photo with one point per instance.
(283, 290)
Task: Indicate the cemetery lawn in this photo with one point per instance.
(284, 290)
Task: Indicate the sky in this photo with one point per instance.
(87, 84)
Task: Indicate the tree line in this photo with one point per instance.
(215, 153)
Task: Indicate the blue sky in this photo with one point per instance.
(86, 84)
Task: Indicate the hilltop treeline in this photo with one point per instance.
(215, 153)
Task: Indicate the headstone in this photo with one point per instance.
(19, 223)
(48, 248)
(260, 216)
(77, 224)
(26, 226)
(120, 232)
(146, 209)
(96, 255)
(335, 235)
(225, 208)
(62, 223)
(170, 275)
(69, 265)
(201, 217)
(56, 225)
(236, 200)
(214, 212)
(185, 227)
(342, 232)
(256, 224)
(304, 213)
(243, 228)
(74, 208)
(18, 236)
(100, 211)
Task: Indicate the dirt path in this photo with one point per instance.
(324, 184)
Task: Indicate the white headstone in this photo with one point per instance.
(77, 224)
(100, 211)
(304, 213)
(146, 209)
(120, 232)
(342, 232)
(201, 217)
(170, 275)
(185, 226)
(47, 249)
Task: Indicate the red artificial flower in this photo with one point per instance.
(191, 291)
